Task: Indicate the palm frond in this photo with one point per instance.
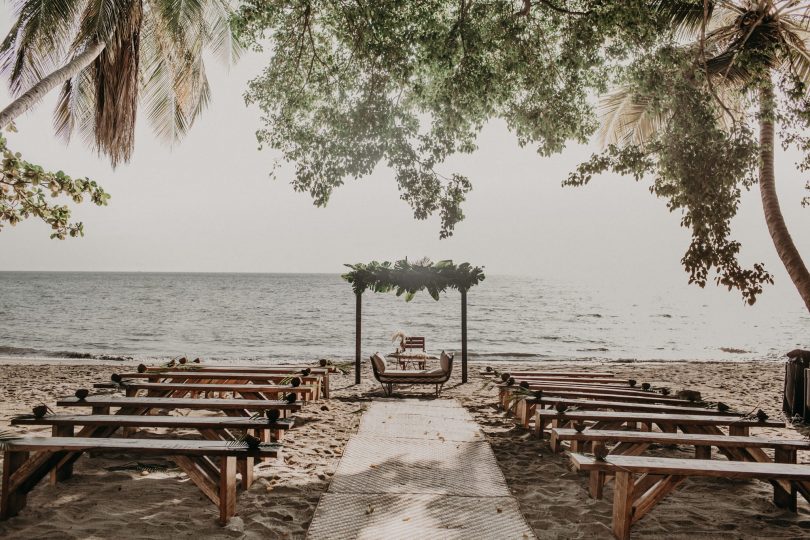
(37, 40)
(627, 118)
(685, 17)
(76, 107)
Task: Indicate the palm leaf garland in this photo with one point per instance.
(407, 279)
(7, 437)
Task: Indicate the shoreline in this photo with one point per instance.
(477, 361)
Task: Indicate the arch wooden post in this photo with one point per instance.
(357, 335)
(463, 335)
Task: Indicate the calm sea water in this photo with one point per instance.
(246, 317)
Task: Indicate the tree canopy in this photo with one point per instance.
(29, 191)
(407, 278)
(351, 85)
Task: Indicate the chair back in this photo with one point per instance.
(377, 365)
(446, 363)
(414, 342)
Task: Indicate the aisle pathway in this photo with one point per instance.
(418, 469)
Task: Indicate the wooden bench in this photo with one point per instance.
(142, 405)
(247, 391)
(281, 369)
(27, 460)
(227, 377)
(643, 482)
(683, 420)
(524, 407)
(633, 443)
(570, 374)
(211, 427)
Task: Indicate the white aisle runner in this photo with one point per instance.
(418, 469)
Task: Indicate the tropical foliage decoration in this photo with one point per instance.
(29, 191)
(406, 278)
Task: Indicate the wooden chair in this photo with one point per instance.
(413, 343)
(643, 482)
(211, 465)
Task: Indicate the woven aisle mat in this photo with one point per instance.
(411, 418)
(417, 469)
(442, 432)
(341, 516)
(371, 464)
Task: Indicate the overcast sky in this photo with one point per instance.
(209, 205)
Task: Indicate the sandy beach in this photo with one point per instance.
(118, 496)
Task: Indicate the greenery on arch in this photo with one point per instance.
(407, 278)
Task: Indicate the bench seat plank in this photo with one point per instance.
(571, 374)
(544, 416)
(629, 407)
(656, 437)
(141, 446)
(178, 403)
(125, 420)
(694, 467)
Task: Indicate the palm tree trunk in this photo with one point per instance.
(785, 247)
(32, 96)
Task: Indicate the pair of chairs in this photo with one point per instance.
(389, 377)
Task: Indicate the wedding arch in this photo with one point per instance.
(406, 279)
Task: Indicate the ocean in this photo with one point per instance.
(301, 317)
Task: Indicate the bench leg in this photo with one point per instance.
(246, 471)
(227, 489)
(597, 482)
(784, 498)
(703, 452)
(64, 469)
(11, 502)
(623, 504)
(539, 424)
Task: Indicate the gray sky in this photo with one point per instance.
(208, 205)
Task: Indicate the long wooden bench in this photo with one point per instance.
(595, 404)
(226, 377)
(643, 482)
(683, 420)
(525, 406)
(281, 369)
(505, 390)
(142, 405)
(248, 391)
(26, 460)
(570, 374)
(212, 427)
(633, 443)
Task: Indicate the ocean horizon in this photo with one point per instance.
(277, 317)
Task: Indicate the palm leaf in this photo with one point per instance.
(5, 438)
(627, 118)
